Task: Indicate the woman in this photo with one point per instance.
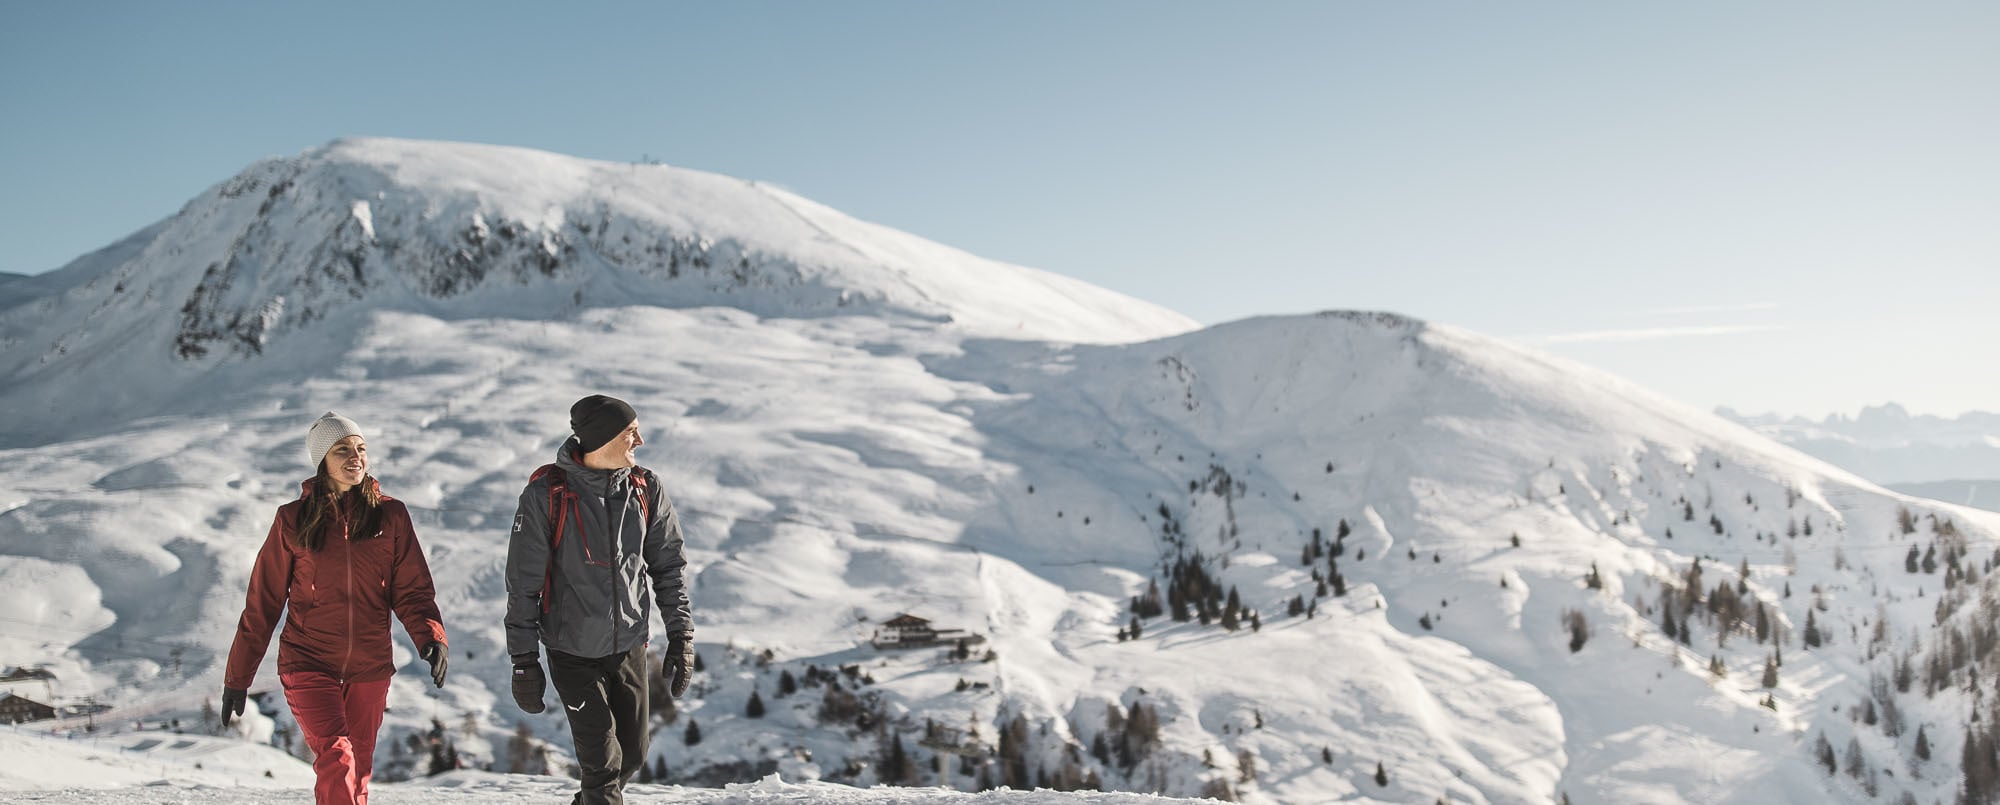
(338, 561)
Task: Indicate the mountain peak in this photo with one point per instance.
(366, 225)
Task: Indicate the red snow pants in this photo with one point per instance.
(338, 722)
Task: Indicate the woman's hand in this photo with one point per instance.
(435, 655)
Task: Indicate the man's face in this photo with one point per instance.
(619, 452)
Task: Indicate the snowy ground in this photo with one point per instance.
(189, 770)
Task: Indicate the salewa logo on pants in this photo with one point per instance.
(576, 709)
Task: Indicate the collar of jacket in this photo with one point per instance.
(601, 483)
(306, 486)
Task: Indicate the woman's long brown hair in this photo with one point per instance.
(323, 505)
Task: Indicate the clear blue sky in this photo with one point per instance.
(1789, 206)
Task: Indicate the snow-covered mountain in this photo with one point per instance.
(306, 248)
(1955, 459)
(1485, 540)
(1888, 444)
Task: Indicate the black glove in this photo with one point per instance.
(232, 703)
(435, 655)
(528, 683)
(679, 665)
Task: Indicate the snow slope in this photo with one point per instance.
(838, 465)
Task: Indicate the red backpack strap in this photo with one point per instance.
(560, 502)
(641, 483)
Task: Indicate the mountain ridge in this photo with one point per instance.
(450, 229)
(1484, 539)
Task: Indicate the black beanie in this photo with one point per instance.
(598, 419)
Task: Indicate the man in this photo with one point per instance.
(591, 530)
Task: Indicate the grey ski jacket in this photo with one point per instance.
(583, 591)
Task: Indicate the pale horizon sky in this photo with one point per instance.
(1784, 206)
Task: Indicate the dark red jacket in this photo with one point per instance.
(337, 600)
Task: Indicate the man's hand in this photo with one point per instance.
(679, 665)
(529, 683)
(232, 703)
(435, 654)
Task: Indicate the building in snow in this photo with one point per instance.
(15, 710)
(909, 631)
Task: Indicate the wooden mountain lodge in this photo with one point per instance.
(15, 710)
(910, 631)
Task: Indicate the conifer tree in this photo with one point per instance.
(1770, 672)
(521, 751)
(755, 707)
(1811, 636)
(692, 735)
(1579, 629)
(898, 768)
(1381, 775)
(1923, 744)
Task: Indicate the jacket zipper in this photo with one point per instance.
(618, 541)
(347, 558)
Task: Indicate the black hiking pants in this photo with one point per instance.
(606, 700)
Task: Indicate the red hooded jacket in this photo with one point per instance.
(337, 600)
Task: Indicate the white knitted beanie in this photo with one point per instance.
(325, 433)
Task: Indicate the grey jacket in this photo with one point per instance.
(590, 599)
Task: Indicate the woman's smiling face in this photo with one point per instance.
(347, 463)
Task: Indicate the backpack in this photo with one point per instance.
(562, 502)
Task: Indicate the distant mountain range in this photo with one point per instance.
(1369, 558)
(1956, 459)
